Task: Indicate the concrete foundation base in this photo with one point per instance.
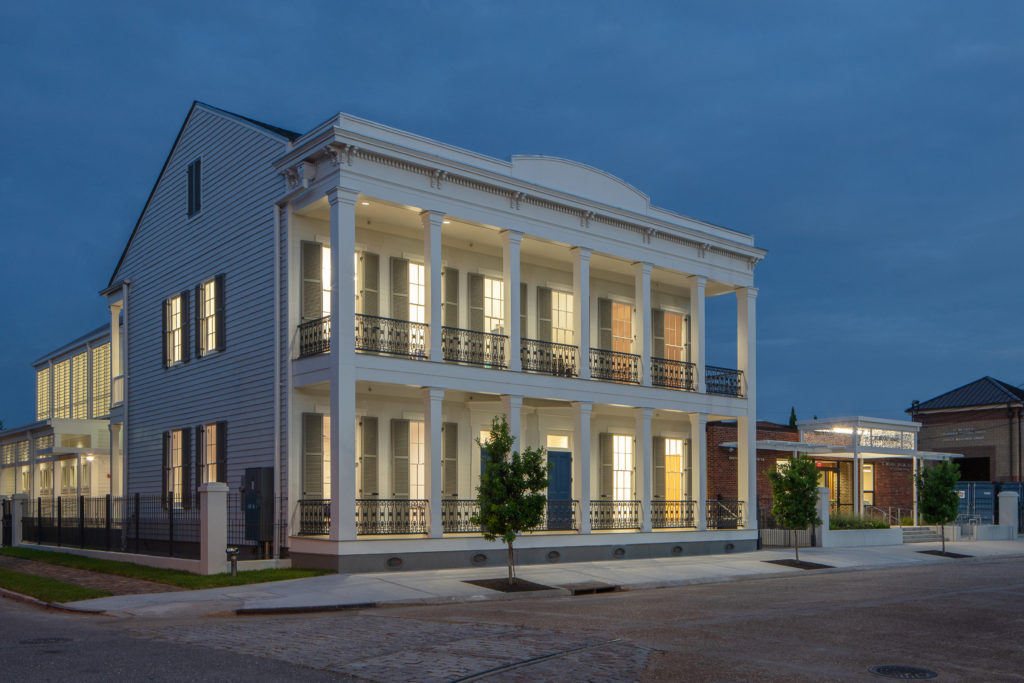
(496, 555)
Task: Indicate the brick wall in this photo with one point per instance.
(722, 461)
(894, 484)
(987, 438)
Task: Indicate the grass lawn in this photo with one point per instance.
(47, 589)
(172, 577)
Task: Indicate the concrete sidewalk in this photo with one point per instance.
(340, 591)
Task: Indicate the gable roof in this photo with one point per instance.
(982, 392)
(267, 128)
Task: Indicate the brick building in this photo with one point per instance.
(981, 420)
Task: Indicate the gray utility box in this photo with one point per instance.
(258, 502)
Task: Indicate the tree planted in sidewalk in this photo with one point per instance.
(512, 491)
(936, 495)
(795, 494)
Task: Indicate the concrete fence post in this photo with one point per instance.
(18, 503)
(823, 512)
(1008, 502)
(213, 521)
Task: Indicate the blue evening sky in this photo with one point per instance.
(876, 149)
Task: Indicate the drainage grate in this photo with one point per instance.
(44, 641)
(906, 673)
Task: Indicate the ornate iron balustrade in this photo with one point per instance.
(560, 360)
(559, 515)
(614, 366)
(314, 517)
(725, 514)
(675, 374)
(315, 337)
(387, 335)
(477, 348)
(723, 381)
(455, 515)
(674, 514)
(391, 516)
(614, 514)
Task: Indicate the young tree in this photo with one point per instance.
(792, 417)
(936, 495)
(795, 493)
(512, 490)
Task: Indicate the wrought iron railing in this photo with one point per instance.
(314, 517)
(725, 514)
(376, 516)
(559, 515)
(675, 374)
(674, 514)
(614, 366)
(614, 514)
(477, 348)
(561, 360)
(315, 337)
(723, 381)
(455, 516)
(387, 335)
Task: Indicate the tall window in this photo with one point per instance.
(676, 473)
(675, 336)
(868, 483)
(175, 330)
(62, 389)
(622, 327)
(46, 479)
(194, 187)
(207, 303)
(86, 475)
(80, 387)
(417, 294)
(68, 479)
(622, 467)
(494, 305)
(43, 394)
(23, 451)
(26, 480)
(325, 444)
(174, 466)
(561, 317)
(417, 461)
(101, 381)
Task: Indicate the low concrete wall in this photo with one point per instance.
(855, 538)
(996, 532)
(193, 566)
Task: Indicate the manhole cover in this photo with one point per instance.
(903, 672)
(44, 641)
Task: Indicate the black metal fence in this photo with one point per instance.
(314, 517)
(387, 335)
(561, 360)
(315, 337)
(723, 381)
(725, 514)
(456, 515)
(674, 374)
(252, 530)
(476, 348)
(674, 514)
(138, 524)
(614, 514)
(770, 533)
(376, 516)
(614, 366)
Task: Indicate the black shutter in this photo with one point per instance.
(369, 476)
(163, 333)
(165, 463)
(370, 295)
(201, 457)
(218, 307)
(400, 458)
(604, 324)
(184, 327)
(190, 189)
(523, 318)
(476, 302)
(451, 297)
(222, 452)
(197, 187)
(186, 469)
(399, 288)
(606, 477)
(450, 461)
(312, 281)
(658, 333)
(544, 314)
(658, 462)
(198, 320)
(312, 456)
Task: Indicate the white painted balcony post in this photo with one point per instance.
(746, 362)
(699, 467)
(432, 420)
(512, 407)
(581, 311)
(18, 503)
(342, 364)
(581, 462)
(645, 471)
(698, 285)
(642, 329)
(432, 222)
(511, 242)
(213, 522)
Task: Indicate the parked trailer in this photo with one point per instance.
(977, 501)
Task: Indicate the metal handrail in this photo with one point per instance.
(552, 358)
(315, 337)
(615, 366)
(389, 335)
(674, 374)
(724, 381)
(475, 348)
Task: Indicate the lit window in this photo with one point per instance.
(26, 480)
(175, 326)
(194, 188)
(622, 327)
(43, 394)
(494, 305)
(23, 451)
(558, 442)
(46, 479)
(7, 454)
(68, 478)
(101, 381)
(80, 387)
(417, 462)
(325, 281)
(622, 467)
(676, 473)
(561, 317)
(417, 294)
(62, 389)
(325, 441)
(174, 467)
(209, 465)
(675, 336)
(868, 483)
(87, 475)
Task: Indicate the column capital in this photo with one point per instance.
(511, 235)
(749, 292)
(342, 195)
(699, 281)
(581, 253)
(645, 413)
(699, 418)
(433, 393)
(431, 218)
(583, 406)
(643, 267)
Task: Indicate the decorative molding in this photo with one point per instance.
(291, 176)
(585, 219)
(515, 199)
(436, 176)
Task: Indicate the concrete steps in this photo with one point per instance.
(920, 534)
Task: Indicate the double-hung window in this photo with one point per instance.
(622, 467)
(210, 316)
(176, 475)
(212, 453)
(494, 305)
(176, 330)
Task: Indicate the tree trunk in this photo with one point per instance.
(511, 565)
(796, 545)
(942, 531)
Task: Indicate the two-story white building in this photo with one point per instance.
(353, 305)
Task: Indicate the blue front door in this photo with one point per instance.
(560, 490)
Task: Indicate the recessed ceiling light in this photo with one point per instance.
(365, 203)
(446, 222)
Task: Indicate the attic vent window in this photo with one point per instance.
(194, 194)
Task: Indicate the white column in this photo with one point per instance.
(823, 513)
(746, 427)
(642, 326)
(342, 364)
(511, 241)
(697, 306)
(645, 470)
(858, 496)
(18, 503)
(581, 309)
(432, 420)
(581, 462)
(432, 222)
(914, 479)
(512, 406)
(116, 464)
(699, 467)
(213, 527)
(115, 340)
(78, 475)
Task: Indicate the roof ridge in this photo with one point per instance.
(985, 390)
(277, 130)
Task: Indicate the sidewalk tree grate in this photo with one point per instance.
(906, 673)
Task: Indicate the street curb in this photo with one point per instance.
(28, 599)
